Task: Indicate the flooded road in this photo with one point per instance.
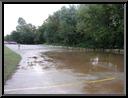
(55, 70)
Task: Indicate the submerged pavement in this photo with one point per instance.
(49, 70)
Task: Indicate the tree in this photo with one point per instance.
(7, 38)
(25, 33)
(86, 25)
(98, 23)
(15, 36)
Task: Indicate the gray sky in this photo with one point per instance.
(32, 13)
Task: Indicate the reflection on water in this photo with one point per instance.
(94, 61)
(96, 64)
(62, 71)
(86, 61)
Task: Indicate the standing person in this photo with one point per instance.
(19, 46)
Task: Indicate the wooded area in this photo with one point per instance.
(85, 25)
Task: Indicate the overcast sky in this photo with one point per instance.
(32, 13)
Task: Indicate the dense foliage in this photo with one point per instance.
(85, 25)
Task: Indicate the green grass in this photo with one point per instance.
(11, 59)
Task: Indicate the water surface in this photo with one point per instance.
(55, 70)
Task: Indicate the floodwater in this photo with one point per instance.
(54, 70)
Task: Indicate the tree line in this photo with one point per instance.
(85, 25)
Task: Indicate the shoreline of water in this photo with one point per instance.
(116, 51)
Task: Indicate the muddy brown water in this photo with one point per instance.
(95, 63)
(52, 70)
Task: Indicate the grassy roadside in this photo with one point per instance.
(11, 59)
